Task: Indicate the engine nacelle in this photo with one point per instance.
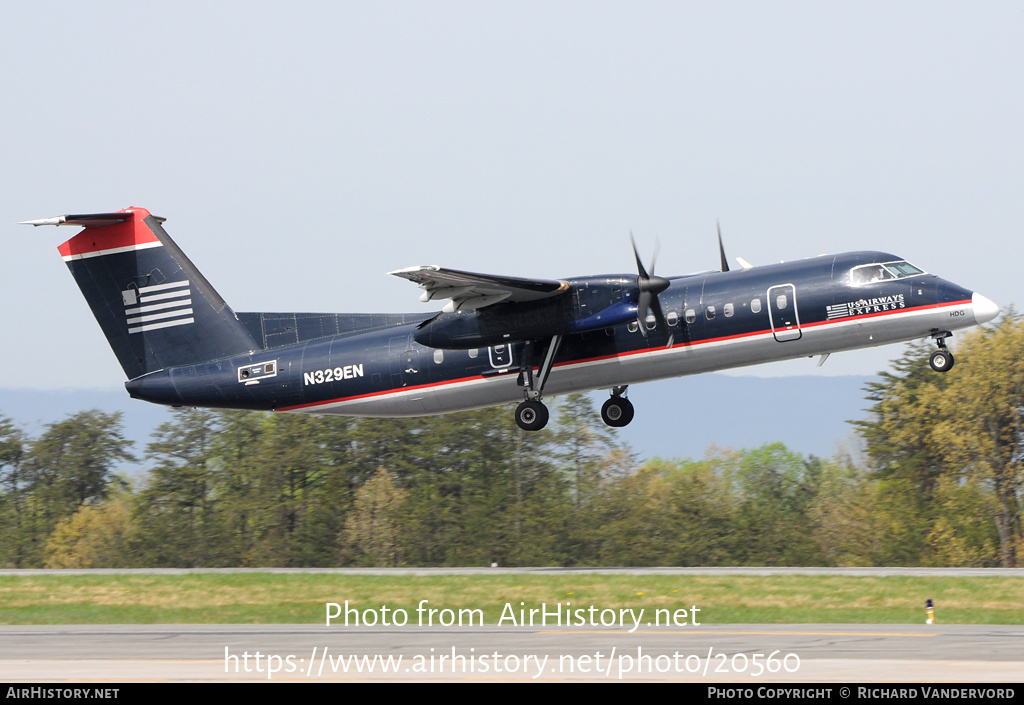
(592, 303)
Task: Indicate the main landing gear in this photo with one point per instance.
(942, 359)
(618, 410)
(532, 415)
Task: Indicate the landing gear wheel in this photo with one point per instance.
(531, 415)
(941, 360)
(617, 412)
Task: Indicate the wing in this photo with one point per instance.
(469, 291)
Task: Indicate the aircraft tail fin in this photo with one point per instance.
(156, 309)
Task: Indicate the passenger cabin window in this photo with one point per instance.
(651, 322)
(473, 353)
(672, 318)
(632, 327)
(709, 312)
(728, 310)
(781, 301)
(691, 315)
(439, 356)
(755, 305)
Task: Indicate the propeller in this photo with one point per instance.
(650, 286)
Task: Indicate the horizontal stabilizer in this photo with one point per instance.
(94, 220)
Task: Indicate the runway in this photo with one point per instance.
(830, 653)
(837, 653)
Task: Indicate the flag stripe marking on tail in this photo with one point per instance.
(176, 305)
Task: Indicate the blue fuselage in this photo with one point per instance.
(373, 366)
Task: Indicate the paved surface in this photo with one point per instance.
(851, 572)
(723, 653)
(834, 653)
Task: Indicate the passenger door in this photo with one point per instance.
(783, 313)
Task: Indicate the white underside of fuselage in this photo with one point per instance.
(633, 367)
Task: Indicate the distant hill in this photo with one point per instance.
(32, 409)
(677, 418)
(682, 417)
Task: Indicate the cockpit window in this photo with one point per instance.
(903, 269)
(871, 273)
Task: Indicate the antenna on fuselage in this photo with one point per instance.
(721, 248)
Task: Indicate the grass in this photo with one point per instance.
(254, 598)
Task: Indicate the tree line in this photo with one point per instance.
(939, 482)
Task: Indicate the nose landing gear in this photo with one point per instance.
(942, 359)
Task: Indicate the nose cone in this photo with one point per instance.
(985, 309)
(654, 284)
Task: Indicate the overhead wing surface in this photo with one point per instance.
(469, 291)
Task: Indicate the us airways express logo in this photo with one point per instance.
(861, 307)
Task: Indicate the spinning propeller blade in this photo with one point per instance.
(649, 287)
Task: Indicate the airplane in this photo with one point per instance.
(499, 339)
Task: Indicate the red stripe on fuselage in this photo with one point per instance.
(130, 233)
(628, 353)
(385, 392)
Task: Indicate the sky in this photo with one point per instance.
(300, 151)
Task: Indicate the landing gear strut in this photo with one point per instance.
(618, 410)
(532, 415)
(942, 359)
